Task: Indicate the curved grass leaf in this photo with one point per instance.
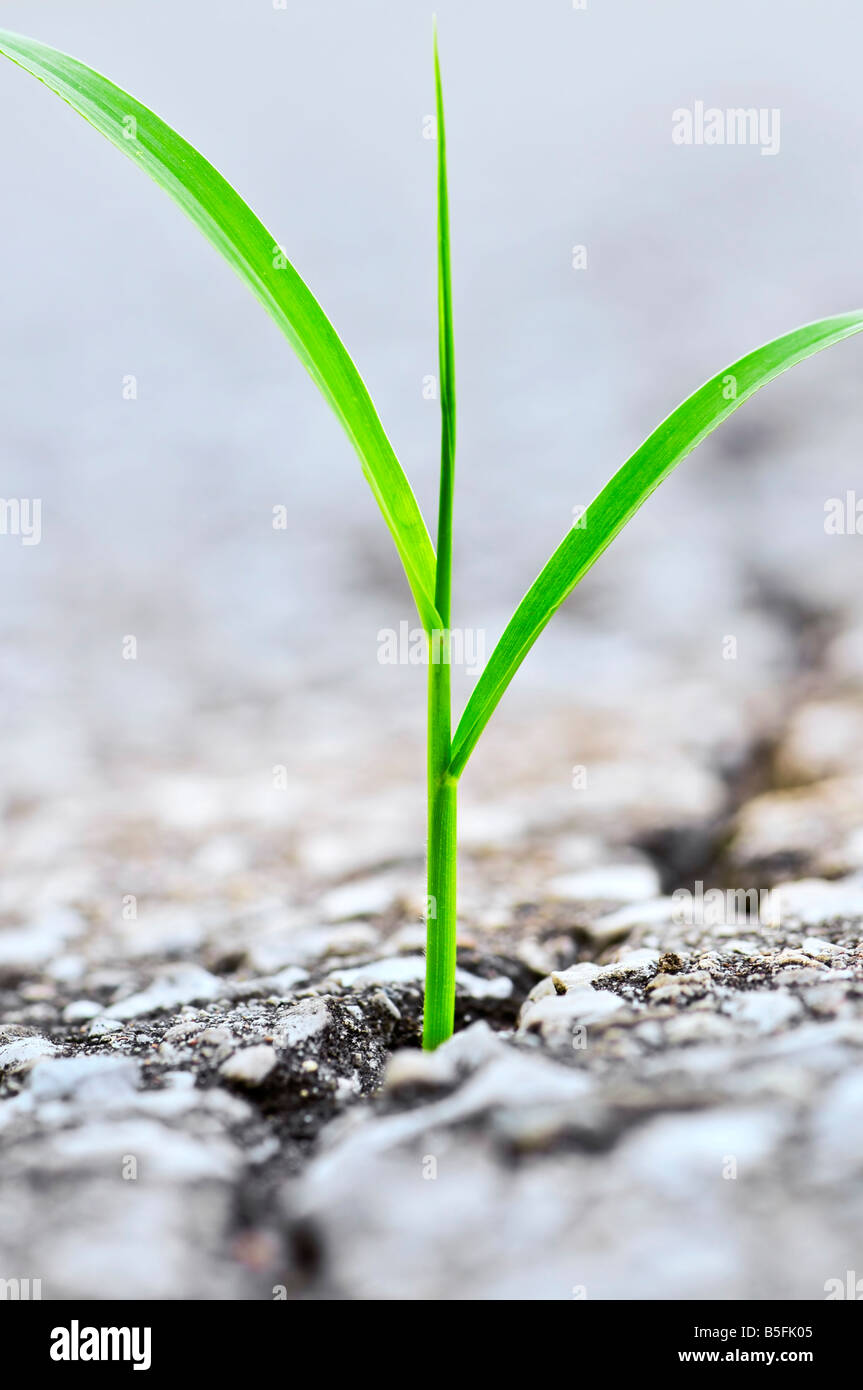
(229, 223)
(676, 437)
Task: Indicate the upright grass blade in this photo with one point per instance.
(229, 223)
(442, 789)
(446, 358)
(676, 437)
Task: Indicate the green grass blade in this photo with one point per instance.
(227, 221)
(618, 501)
(446, 356)
(442, 791)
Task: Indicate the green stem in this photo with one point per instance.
(442, 787)
(441, 905)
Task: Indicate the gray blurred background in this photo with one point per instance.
(258, 647)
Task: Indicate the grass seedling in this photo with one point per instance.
(227, 221)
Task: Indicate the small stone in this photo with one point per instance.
(180, 1031)
(689, 982)
(366, 897)
(393, 970)
(21, 1053)
(278, 985)
(792, 958)
(613, 926)
(767, 1010)
(65, 969)
(632, 963)
(99, 1026)
(695, 1027)
(800, 975)
(179, 1080)
(184, 984)
(216, 1036)
(826, 1000)
(250, 1066)
(539, 956)
(670, 963)
(576, 977)
(38, 941)
(650, 1031)
(81, 1011)
(37, 991)
(659, 981)
(303, 1021)
(623, 883)
(381, 998)
(819, 949)
(94, 1081)
(471, 1048)
(409, 1067)
(410, 938)
(666, 991)
(557, 1015)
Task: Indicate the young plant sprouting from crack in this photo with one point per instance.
(227, 221)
